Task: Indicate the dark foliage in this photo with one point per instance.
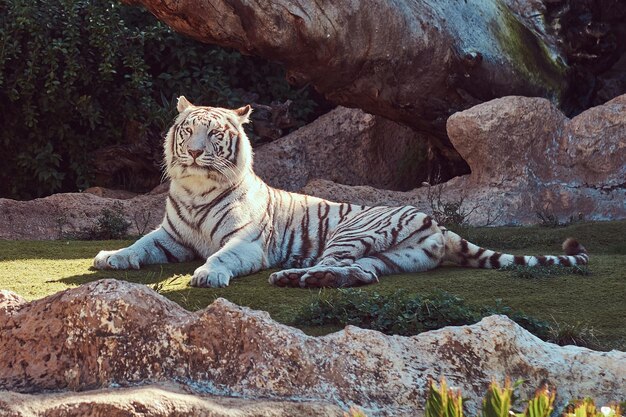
(79, 75)
(404, 314)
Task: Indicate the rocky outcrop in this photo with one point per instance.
(111, 333)
(155, 400)
(526, 158)
(350, 147)
(70, 214)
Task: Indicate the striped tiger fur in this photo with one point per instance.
(219, 210)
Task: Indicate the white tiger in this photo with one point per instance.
(219, 210)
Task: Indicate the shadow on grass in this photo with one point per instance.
(148, 275)
(172, 281)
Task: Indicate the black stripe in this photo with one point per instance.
(478, 253)
(236, 152)
(206, 208)
(426, 224)
(289, 246)
(323, 225)
(388, 262)
(216, 226)
(179, 211)
(171, 258)
(494, 260)
(179, 238)
(519, 260)
(227, 235)
(564, 260)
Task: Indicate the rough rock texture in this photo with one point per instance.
(111, 332)
(351, 147)
(415, 62)
(525, 157)
(157, 400)
(66, 214)
(109, 193)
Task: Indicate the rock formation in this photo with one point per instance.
(414, 62)
(526, 157)
(112, 333)
(67, 214)
(350, 147)
(154, 400)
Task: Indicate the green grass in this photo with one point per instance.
(596, 301)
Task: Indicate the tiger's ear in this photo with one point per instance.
(243, 113)
(183, 104)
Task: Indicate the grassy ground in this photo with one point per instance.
(36, 269)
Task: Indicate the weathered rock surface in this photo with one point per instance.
(66, 214)
(351, 147)
(109, 193)
(109, 333)
(414, 62)
(525, 157)
(156, 400)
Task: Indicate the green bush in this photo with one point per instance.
(404, 314)
(77, 75)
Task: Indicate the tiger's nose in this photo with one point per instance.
(195, 152)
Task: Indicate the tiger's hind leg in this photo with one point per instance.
(323, 276)
(366, 270)
(379, 241)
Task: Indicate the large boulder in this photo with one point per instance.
(526, 158)
(110, 333)
(351, 147)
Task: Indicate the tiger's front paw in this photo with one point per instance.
(211, 277)
(117, 259)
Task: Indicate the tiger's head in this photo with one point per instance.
(208, 143)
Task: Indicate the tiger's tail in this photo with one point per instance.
(464, 253)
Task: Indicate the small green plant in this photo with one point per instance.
(442, 401)
(141, 220)
(454, 213)
(397, 313)
(541, 405)
(547, 219)
(499, 402)
(579, 334)
(111, 224)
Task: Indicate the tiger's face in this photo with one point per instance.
(208, 142)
